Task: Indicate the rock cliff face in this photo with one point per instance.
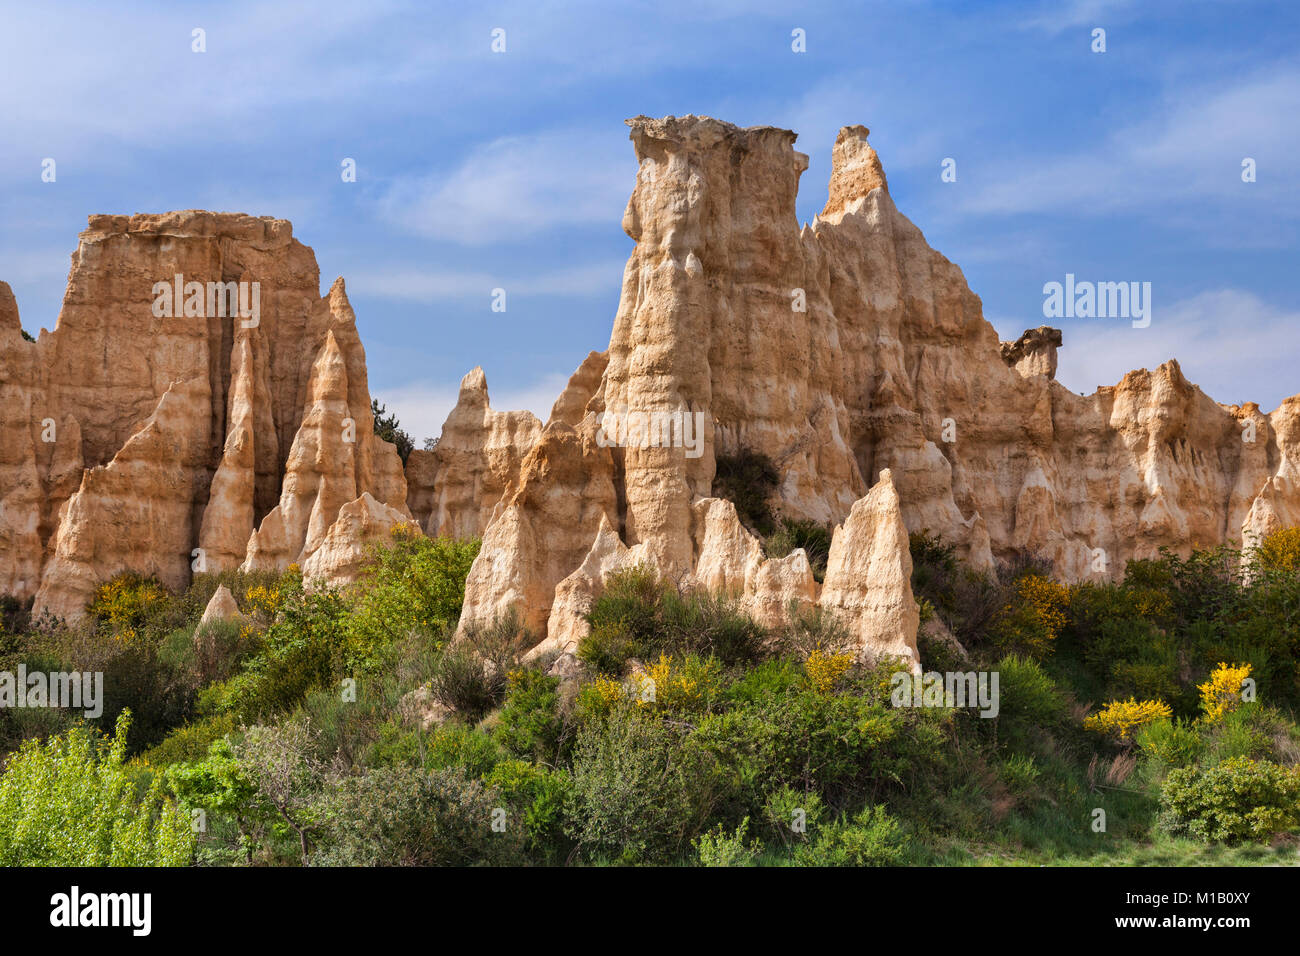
(154, 433)
(846, 351)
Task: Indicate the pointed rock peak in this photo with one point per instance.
(222, 607)
(8, 308)
(329, 373)
(855, 170)
(473, 388)
(884, 492)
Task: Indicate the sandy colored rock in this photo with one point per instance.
(75, 399)
(221, 607)
(360, 524)
(848, 347)
(571, 406)
(542, 530)
(479, 455)
(135, 513)
(869, 574)
(1034, 353)
(421, 474)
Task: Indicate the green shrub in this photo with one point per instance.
(530, 724)
(454, 745)
(638, 793)
(809, 629)
(626, 620)
(535, 797)
(814, 538)
(405, 816)
(717, 847)
(871, 838)
(1240, 799)
(748, 479)
(412, 583)
(1028, 701)
(1172, 743)
(641, 616)
(1279, 551)
(71, 801)
(189, 743)
(471, 676)
(791, 815)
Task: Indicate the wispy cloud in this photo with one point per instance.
(517, 186)
(1233, 344)
(1187, 149)
(1056, 16)
(421, 286)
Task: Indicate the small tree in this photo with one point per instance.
(390, 430)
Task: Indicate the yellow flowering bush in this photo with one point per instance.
(1120, 718)
(1280, 551)
(690, 684)
(124, 603)
(825, 669)
(1034, 616)
(600, 696)
(264, 600)
(1221, 694)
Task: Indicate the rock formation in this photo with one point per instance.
(152, 433)
(847, 352)
(478, 455)
(221, 607)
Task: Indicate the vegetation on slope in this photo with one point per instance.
(1142, 721)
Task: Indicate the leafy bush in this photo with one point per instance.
(790, 814)
(125, 603)
(530, 724)
(535, 797)
(1031, 621)
(748, 479)
(717, 847)
(1028, 700)
(1240, 799)
(471, 676)
(809, 535)
(871, 838)
(405, 816)
(825, 670)
(640, 615)
(1279, 551)
(412, 583)
(638, 794)
(454, 745)
(811, 629)
(72, 802)
(1172, 743)
(189, 743)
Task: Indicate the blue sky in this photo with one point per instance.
(479, 170)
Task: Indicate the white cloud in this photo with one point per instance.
(414, 285)
(1056, 16)
(517, 186)
(1188, 149)
(422, 406)
(1230, 342)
